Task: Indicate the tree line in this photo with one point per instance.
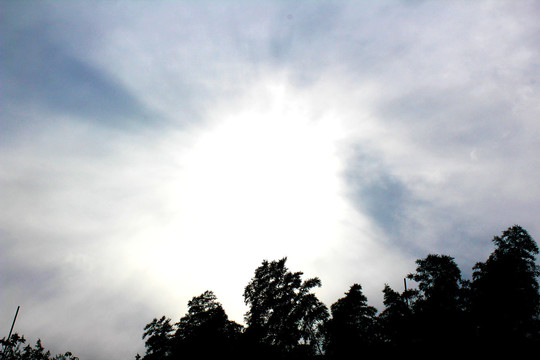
(16, 348)
(497, 310)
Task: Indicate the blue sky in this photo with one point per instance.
(150, 151)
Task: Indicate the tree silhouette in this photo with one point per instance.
(158, 335)
(284, 316)
(499, 309)
(205, 331)
(436, 309)
(395, 319)
(14, 349)
(352, 328)
(505, 290)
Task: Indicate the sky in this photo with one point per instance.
(152, 150)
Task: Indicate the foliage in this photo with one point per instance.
(395, 319)
(284, 314)
(498, 309)
(158, 335)
(14, 349)
(352, 328)
(500, 306)
(205, 323)
(436, 309)
(438, 279)
(505, 289)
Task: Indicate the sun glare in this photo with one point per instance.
(261, 181)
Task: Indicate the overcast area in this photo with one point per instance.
(152, 150)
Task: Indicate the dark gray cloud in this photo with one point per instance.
(43, 74)
(383, 196)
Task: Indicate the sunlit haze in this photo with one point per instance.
(261, 180)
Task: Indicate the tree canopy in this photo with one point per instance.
(205, 323)
(14, 348)
(352, 327)
(284, 314)
(506, 284)
(498, 308)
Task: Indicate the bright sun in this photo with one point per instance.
(266, 174)
(261, 181)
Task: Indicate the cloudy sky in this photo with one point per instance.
(152, 150)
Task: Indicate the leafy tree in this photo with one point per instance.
(205, 331)
(284, 316)
(438, 279)
(436, 308)
(352, 328)
(14, 349)
(506, 301)
(158, 334)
